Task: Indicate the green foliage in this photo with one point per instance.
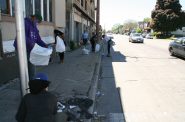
(118, 28)
(155, 33)
(130, 25)
(146, 20)
(167, 16)
(72, 45)
(139, 30)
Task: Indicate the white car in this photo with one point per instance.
(149, 36)
(136, 37)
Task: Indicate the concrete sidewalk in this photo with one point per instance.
(79, 73)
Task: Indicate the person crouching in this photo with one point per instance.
(39, 105)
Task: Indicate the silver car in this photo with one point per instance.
(177, 47)
(149, 36)
(136, 37)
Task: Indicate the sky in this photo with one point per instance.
(118, 11)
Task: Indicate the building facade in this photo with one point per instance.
(80, 16)
(71, 16)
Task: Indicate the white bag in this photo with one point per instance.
(40, 56)
(60, 46)
(85, 51)
(97, 48)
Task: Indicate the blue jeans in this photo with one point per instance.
(31, 68)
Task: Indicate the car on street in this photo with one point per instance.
(144, 35)
(136, 37)
(110, 35)
(149, 36)
(177, 47)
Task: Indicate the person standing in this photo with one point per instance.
(85, 37)
(32, 36)
(93, 41)
(107, 40)
(60, 44)
(39, 105)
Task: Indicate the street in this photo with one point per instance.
(151, 81)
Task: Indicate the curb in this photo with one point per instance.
(95, 79)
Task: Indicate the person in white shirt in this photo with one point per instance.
(106, 42)
(85, 37)
(60, 44)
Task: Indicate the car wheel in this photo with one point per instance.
(171, 51)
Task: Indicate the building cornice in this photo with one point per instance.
(84, 12)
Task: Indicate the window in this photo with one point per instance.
(50, 11)
(4, 6)
(7, 7)
(82, 3)
(38, 7)
(45, 10)
(13, 7)
(85, 5)
(178, 41)
(42, 7)
(29, 7)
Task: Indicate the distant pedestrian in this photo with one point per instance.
(107, 40)
(85, 37)
(32, 37)
(93, 41)
(60, 44)
(39, 105)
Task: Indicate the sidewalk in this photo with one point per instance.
(79, 73)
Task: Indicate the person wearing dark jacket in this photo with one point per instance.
(39, 105)
(93, 41)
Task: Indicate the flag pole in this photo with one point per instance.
(21, 46)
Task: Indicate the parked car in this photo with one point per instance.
(177, 47)
(136, 37)
(149, 36)
(144, 35)
(110, 35)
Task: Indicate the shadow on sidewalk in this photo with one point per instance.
(108, 98)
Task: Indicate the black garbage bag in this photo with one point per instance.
(84, 104)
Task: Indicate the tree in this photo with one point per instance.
(117, 28)
(146, 20)
(139, 30)
(167, 16)
(130, 25)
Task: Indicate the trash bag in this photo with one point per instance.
(60, 46)
(85, 51)
(97, 48)
(40, 56)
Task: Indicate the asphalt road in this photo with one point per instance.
(152, 82)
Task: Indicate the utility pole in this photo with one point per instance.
(21, 46)
(98, 19)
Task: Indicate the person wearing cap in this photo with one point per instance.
(39, 105)
(60, 44)
(32, 36)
